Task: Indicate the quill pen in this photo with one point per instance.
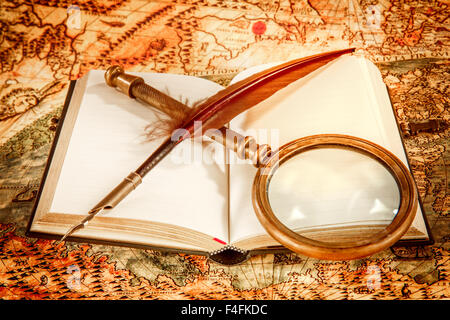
(213, 114)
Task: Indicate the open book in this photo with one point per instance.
(199, 199)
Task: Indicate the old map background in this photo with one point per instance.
(43, 44)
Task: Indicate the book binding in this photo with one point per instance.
(229, 255)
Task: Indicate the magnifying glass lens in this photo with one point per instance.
(334, 195)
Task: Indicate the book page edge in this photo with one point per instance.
(46, 190)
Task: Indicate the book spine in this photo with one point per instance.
(229, 255)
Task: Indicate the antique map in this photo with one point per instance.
(44, 44)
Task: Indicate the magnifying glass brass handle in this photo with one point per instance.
(135, 87)
(245, 147)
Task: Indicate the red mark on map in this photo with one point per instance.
(259, 28)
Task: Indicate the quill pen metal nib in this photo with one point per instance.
(110, 201)
(79, 226)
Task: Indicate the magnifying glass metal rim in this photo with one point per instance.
(335, 251)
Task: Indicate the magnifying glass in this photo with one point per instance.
(334, 197)
(328, 196)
